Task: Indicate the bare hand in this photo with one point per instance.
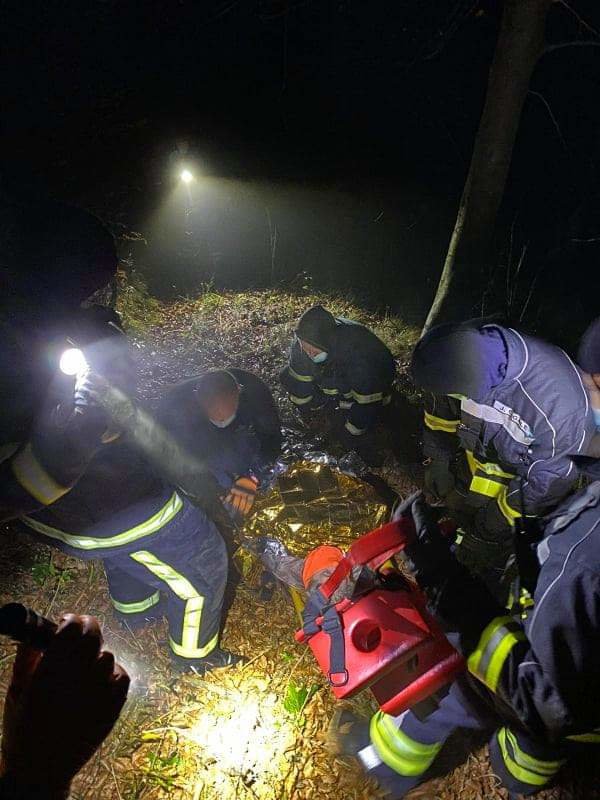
(60, 706)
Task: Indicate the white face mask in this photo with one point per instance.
(319, 358)
(223, 423)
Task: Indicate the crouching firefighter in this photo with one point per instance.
(338, 360)
(504, 416)
(228, 420)
(533, 684)
(81, 485)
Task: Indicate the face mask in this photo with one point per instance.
(319, 358)
(223, 423)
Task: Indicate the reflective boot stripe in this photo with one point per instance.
(300, 401)
(399, 751)
(136, 608)
(297, 376)
(493, 648)
(525, 768)
(81, 542)
(441, 424)
(346, 404)
(34, 479)
(329, 391)
(364, 399)
(194, 603)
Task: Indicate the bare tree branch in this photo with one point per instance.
(579, 19)
(583, 43)
(552, 117)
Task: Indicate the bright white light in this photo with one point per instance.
(72, 361)
(186, 176)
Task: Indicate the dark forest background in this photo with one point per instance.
(330, 140)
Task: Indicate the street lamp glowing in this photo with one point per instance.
(186, 176)
(72, 362)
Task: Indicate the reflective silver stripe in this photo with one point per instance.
(81, 542)
(501, 415)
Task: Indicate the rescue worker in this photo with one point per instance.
(505, 414)
(533, 681)
(229, 421)
(104, 500)
(336, 359)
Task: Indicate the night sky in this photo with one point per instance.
(375, 103)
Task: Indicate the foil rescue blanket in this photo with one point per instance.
(311, 504)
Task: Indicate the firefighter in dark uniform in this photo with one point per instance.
(228, 420)
(533, 680)
(505, 414)
(80, 485)
(336, 359)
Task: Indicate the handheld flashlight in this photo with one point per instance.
(22, 624)
(73, 362)
(186, 176)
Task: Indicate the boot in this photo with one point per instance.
(216, 659)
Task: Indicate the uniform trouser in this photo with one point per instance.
(403, 749)
(189, 569)
(153, 548)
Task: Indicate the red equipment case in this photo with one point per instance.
(391, 643)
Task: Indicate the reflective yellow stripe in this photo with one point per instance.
(353, 429)
(510, 513)
(588, 738)
(155, 523)
(493, 648)
(399, 751)
(298, 377)
(300, 401)
(522, 766)
(194, 603)
(488, 467)
(367, 398)
(34, 478)
(329, 391)
(441, 424)
(136, 608)
(486, 486)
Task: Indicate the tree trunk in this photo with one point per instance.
(520, 43)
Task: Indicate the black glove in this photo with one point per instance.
(455, 596)
(439, 480)
(429, 556)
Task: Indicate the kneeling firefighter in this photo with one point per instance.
(82, 485)
(505, 415)
(533, 683)
(336, 359)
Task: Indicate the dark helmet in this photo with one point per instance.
(459, 359)
(588, 353)
(316, 326)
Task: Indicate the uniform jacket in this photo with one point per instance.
(359, 371)
(523, 433)
(548, 670)
(252, 441)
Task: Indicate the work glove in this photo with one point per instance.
(455, 596)
(60, 706)
(242, 495)
(439, 480)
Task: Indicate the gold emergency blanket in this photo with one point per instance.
(314, 504)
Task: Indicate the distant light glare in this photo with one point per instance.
(186, 176)
(72, 362)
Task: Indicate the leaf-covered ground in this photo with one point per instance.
(255, 732)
